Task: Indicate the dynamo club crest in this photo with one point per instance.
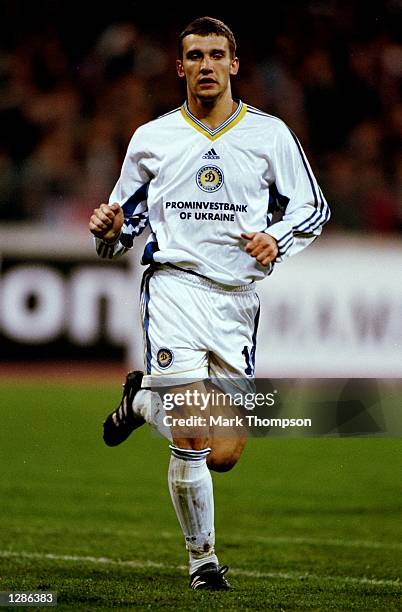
(209, 178)
(164, 357)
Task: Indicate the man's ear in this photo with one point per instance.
(180, 69)
(234, 66)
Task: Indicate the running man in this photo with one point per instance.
(205, 179)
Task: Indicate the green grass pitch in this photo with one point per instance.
(305, 524)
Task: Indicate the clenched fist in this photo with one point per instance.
(106, 222)
(261, 246)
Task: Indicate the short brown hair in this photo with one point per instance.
(203, 26)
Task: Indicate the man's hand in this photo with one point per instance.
(261, 246)
(106, 222)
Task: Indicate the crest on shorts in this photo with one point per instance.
(164, 357)
(209, 178)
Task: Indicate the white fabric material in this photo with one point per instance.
(190, 334)
(198, 204)
(190, 486)
(148, 404)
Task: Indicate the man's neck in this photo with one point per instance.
(212, 112)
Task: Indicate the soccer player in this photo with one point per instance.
(206, 179)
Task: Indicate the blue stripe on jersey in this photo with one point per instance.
(145, 294)
(284, 249)
(175, 110)
(136, 224)
(256, 321)
(133, 227)
(320, 220)
(148, 255)
(254, 111)
(285, 238)
(105, 251)
(327, 210)
(310, 177)
(318, 217)
(313, 219)
(285, 246)
(277, 201)
(139, 196)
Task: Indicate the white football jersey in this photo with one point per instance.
(198, 189)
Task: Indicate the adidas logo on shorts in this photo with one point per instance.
(211, 154)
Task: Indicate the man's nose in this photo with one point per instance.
(206, 64)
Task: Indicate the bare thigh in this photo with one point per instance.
(193, 427)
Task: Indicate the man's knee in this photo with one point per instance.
(221, 463)
(196, 443)
(225, 454)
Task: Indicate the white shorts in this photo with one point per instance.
(195, 328)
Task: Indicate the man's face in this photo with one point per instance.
(206, 65)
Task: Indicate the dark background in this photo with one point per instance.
(77, 78)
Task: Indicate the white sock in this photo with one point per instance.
(190, 486)
(148, 404)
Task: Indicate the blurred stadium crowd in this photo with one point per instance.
(72, 92)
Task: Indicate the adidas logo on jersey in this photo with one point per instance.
(211, 154)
